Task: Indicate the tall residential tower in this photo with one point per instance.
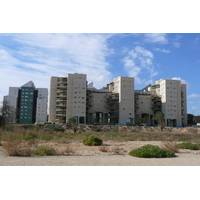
(30, 103)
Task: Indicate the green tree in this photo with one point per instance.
(142, 120)
(7, 113)
(73, 121)
(96, 120)
(190, 119)
(159, 117)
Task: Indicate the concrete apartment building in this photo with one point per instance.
(71, 97)
(68, 98)
(30, 103)
(117, 103)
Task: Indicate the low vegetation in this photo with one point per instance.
(189, 145)
(171, 145)
(92, 140)
(23, 140)
(45, 150)
(152, 151)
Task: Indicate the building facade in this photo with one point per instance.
(29, 103)
(117, 103)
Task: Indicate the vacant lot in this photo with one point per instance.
(117, 143)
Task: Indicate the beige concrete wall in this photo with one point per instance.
(125, 87)
(76, 96)
(52, 99)
(170, 91)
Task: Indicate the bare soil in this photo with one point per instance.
(116, 154)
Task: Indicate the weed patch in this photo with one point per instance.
(151, 151)
(92, 140)
(189, 145)
(45, 150)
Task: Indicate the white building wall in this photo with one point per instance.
(12, 100)
(41, 105)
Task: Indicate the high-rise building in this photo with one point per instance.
(68, 98)
(30, 103)
(117, 103)
(173, 98)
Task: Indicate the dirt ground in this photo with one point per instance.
(111, 154)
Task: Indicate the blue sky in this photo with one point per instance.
(147, 57)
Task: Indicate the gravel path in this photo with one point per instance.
(183, 159)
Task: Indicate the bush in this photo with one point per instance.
(17, 148)
(45, 150)
(30, 135)
(151, 151)
(92, 140)
(189, 145)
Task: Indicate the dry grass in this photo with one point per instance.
(66, 151)
(103, 149)
(192, 130)
(118, 150)
(18, 148)
(171, 145)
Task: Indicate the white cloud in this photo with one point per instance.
(137, 61)
(37, 57)
(194, 107)
(193, 96)
(156, 37)
(182, 81)
(162, 50)
(177, 44)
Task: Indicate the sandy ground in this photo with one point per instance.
(116, 155)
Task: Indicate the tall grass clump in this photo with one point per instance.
(152, 151)
(189, 145)
(92, 140)
(45, 150)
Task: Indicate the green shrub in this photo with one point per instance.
(47, 137)
(45, 150)
(189, 145)
(151, 151)
(30, 135)
(92, 140)
(0, 143)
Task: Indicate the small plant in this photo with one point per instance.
(152, 151)
(45, 150)
(17, 148)
(92, 140)
(171, 145)
(0, 143)
(117, 150)
(189, 145)
(103, 149)
(67, 151)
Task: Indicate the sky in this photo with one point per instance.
(102, 56)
